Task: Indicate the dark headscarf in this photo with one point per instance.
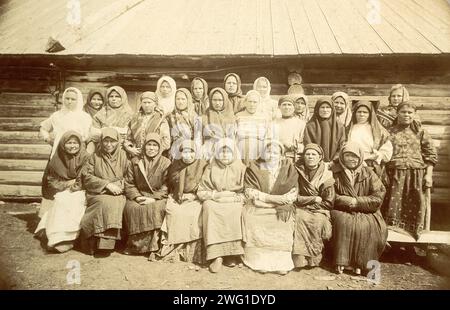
(223, 118)
(64, 165)
(200, 104)
(151, 164)
(325, 132)
(90, 109)
(237, 97)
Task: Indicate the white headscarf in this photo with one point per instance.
(65, 119)
(167, 104)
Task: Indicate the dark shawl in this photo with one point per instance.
(148, 176)
(236, 98)
(181, 120)
(367, 187)
(328, 133)
(185, 178)
(258, 178)
(63, 167)
(220, 120)
(200, 104)
(317, 182)
(103, 168)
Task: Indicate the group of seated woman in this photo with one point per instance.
(228, 180)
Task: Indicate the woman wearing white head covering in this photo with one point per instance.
(269, 106)
(342, 106)
(70, 117)
(252, 127)
(165, 91)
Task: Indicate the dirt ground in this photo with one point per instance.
(24, 264)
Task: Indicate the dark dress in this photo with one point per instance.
(359, 233)
(143, 222)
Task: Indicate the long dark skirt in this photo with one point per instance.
(311, 229)
(357, 238)
(103, 214)
(404, 204)
(142, 224)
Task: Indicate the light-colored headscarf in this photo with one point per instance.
(306, 114)
(405, 92)
(346, 116)
(79, 106)
(166, 103)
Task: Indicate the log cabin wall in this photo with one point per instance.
(27, 87)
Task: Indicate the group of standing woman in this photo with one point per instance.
(227, 179)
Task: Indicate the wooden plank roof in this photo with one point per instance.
(227, 27)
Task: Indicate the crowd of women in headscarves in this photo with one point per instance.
(218, 178)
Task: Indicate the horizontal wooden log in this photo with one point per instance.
(438, 132)
(20, 191)
(432, 90)
(441, 179)
(440, 196)
(26, 99)
(32, 86)
(21, 137)
(25, 151)
(422, 103)
(21, 123)
(443, 163)
(21, 177)
(26, 111)
(23, 164)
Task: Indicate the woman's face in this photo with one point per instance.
(151, 149)
(181, 101)
(325, 111)
(350, 160)
(251, 104)
(262, 87)
(272, 152)
(72, 146)
(109, 145)
(188, 155)
(287, 109)
(396, 97)
(114, 99)
(300, 106)
(225, 155)
(362, 115)
(96, 101)
(231, 84)
(198, 89)
(217, 101)
(148, 105)
(70, 100)
(312, 158)
(339, 105)
(165, 89)
(406, 115)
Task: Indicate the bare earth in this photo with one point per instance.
(24, 264)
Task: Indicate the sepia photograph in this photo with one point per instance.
(225, 146)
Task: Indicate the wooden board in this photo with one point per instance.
(25, 151)
(20, 191)
(21, 177)
(26, 111)
(22, 164)
(21, 123)
(21, 137)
